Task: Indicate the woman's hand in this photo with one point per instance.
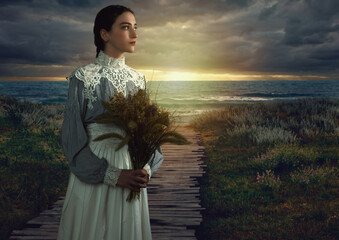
(133, 179)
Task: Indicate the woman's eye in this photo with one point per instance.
(126, 27)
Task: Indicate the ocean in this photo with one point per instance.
(188, 98)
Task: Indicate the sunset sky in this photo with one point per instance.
(178, 40)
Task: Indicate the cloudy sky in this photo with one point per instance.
(178, 40)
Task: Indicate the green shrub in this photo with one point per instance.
(284, 157)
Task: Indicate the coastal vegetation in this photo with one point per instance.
(272, 170)
(33, 171)
(272, 167)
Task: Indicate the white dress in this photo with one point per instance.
(94, 209)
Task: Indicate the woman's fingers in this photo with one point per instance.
(137, 181)
(141, 179)
(141, 172)
(133, 179)
(138, 185)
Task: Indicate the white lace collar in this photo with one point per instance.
(106, 60)
(110, 68)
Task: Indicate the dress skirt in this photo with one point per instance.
(99, 211)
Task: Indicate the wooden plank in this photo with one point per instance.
(174, 199)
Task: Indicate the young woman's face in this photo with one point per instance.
(123, 32)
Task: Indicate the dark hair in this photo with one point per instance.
(104, 20)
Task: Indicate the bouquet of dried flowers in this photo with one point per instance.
(147, 126)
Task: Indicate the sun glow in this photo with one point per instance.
(158, 75)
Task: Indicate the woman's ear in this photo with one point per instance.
(104, 35)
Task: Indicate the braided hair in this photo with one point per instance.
(104, 19)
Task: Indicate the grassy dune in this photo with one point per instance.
(272, 170)
(33, 170)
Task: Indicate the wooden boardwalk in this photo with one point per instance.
(173, 196)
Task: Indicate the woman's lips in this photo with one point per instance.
(133, 43)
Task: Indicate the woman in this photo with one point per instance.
(95, 206)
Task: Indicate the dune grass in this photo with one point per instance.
(33, 171)
(272, 170)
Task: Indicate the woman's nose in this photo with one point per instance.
(134, 33)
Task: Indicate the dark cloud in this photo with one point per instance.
(290, 37)
(267, 11)
(267, 36)
(6, 2)
(301, 32)
(221, 5)
(325, 9)
(325, 54)
(75, 3)
(43, 42)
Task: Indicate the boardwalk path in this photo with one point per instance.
(173, 195)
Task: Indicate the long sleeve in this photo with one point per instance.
(74, 141)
